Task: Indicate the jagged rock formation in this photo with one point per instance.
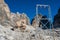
(4, 7)
(1, 1)
(6, 18)
(4, 12)
(19, 19)
(12, 19)
(57, 20)
(34, 20)
(16, 26)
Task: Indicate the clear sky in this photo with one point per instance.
(29, 6)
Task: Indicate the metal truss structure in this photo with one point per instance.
(49, 14)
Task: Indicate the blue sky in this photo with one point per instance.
(29, 6)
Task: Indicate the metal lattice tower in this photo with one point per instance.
(49, 14)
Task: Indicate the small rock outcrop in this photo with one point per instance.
(35, 21)
(57, 20)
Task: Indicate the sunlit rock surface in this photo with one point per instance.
(1, 1)
(39, 34)
(4, 13)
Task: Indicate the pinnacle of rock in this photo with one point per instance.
(1, 1)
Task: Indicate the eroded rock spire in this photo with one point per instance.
(1, 1)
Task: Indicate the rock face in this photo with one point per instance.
(7, 18)
(19, 19)
(16, 20)
(4, 7)
(57, 20)
(4, 12)
(16, 26)
(8, 34)
(1, 1)
(34, 20)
